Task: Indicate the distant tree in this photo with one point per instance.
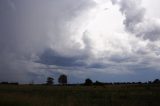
(156, 81)
(62, 79)
(50, 81)
(149, 82)
(4, 83)
(10, 83)
(14, 83)
(88, 82)
(98, 83)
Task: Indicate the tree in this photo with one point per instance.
(62, 79)
(156, 81)
(50, 81)
(88, 82)
(98, 83)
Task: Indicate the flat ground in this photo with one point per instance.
(109, 95)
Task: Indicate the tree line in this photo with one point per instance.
(63, 80)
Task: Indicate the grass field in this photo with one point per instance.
(111, 95)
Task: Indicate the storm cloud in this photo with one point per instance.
(46, 38)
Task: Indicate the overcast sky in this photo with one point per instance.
(105, 40)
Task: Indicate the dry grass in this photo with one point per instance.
(111, 95)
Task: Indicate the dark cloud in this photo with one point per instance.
(50, 57)
(152, 32)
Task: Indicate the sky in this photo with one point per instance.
(104, 40)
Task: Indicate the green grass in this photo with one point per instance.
(111, 95)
